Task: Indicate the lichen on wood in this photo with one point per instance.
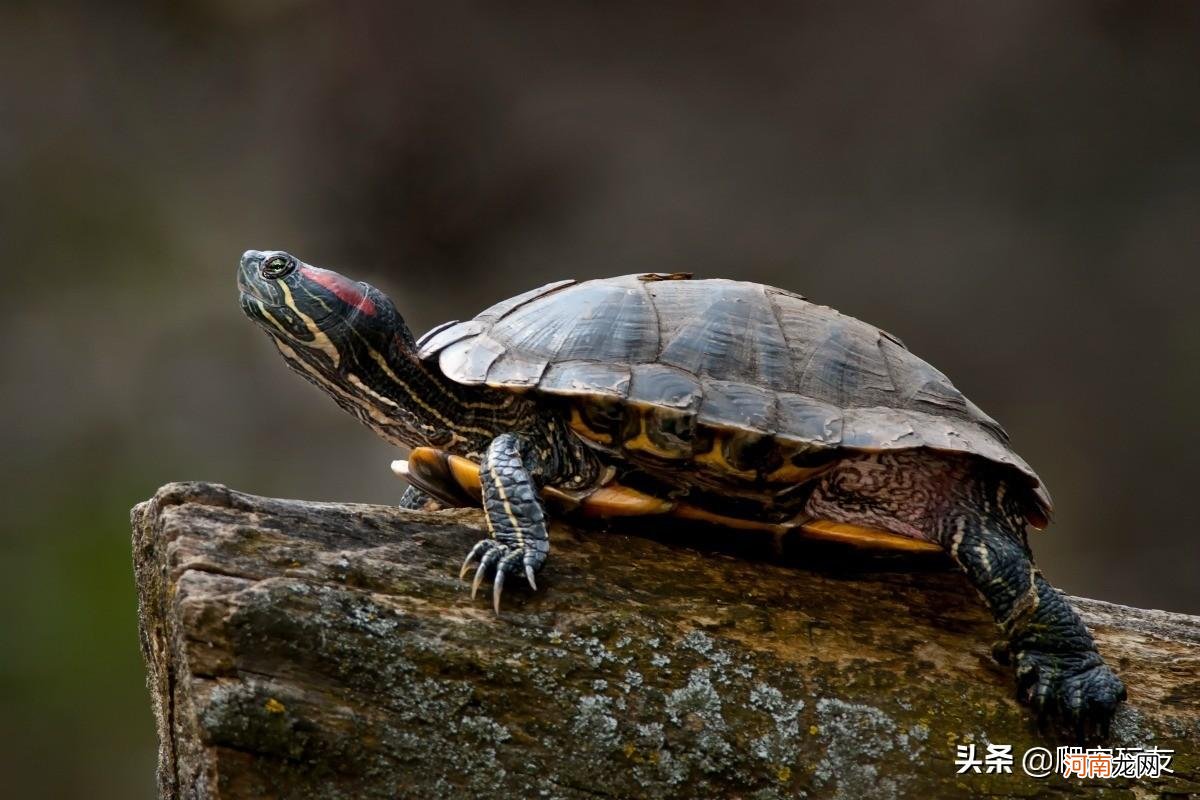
(300, 649)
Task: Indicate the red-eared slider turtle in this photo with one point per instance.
(705, 399)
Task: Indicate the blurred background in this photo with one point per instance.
(1012, 188)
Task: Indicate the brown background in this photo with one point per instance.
(1011, 188)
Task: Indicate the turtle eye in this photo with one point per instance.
(278, 266)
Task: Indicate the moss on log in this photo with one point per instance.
(299, 649)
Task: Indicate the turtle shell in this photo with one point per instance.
(736, 378)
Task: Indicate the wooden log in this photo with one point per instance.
(300, 649)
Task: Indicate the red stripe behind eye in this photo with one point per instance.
(346, 290)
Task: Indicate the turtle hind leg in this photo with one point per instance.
(1060, 674)
(1059, 671)
(970, 513)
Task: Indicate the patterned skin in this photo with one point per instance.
(465, 390)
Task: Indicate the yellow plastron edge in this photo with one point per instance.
(615, 500)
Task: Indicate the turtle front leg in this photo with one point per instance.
(516, 519)
(1060, 674)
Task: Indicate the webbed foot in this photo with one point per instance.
(1075, 689)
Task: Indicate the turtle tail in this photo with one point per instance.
(1060, 673)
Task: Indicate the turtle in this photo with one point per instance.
(705, 399)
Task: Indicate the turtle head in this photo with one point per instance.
(347, 338)
(344, 336)
(317, 311)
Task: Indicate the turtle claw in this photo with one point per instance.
(475, 553)
(497, 588)
(489, 558)
(507, 566)
(503, 559)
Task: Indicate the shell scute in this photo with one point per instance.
(878, 429)
(739, 405)
(516, 370)
(662, 385)
(446, 334)
(586, 378)
(803, 419)
(592, 321)
(727, 331)
(470, 359)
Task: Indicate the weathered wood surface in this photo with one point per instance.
(301, 649)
